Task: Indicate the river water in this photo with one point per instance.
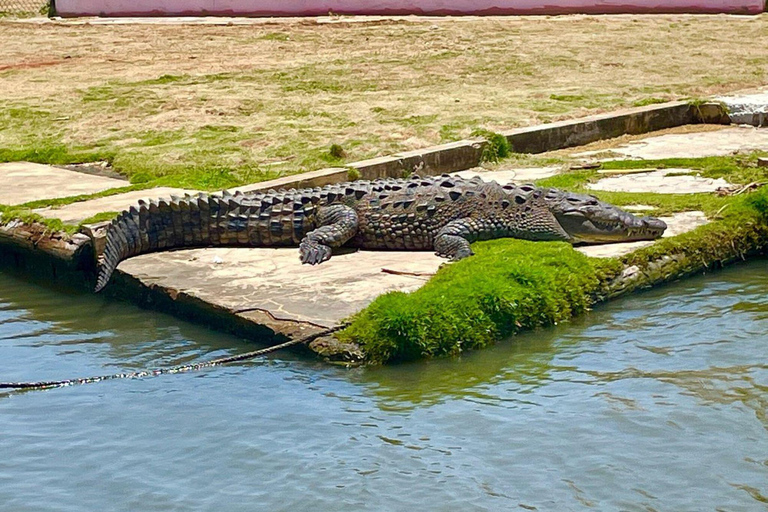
(654, 402)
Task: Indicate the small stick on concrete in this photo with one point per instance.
(403, 273)
(620, 172)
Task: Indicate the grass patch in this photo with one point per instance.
(648, 101)
(736, 168)
(54, 153)
(402, 85)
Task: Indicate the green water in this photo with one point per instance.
(654, 402)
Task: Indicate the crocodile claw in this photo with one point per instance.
(314, 253)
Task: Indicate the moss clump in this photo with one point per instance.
(353, 174)
(497, 148)
(507, 286)
(9, 213)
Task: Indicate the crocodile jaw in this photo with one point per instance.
(609, 226)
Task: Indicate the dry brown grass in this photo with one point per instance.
(255, 100)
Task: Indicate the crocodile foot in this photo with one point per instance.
(314, 253)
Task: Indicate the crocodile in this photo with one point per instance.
(444, 214)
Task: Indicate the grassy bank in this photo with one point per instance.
(511, 285)
(208, 107)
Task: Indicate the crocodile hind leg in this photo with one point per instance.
(336, 225)
(452, 241)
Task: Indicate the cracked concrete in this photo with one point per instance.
(660, 182)
(274, 280)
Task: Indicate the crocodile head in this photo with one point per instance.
(590, 221)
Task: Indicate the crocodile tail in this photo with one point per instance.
(160, 225)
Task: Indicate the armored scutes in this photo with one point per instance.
(444, 214)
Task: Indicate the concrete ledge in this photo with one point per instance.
(577, 132)
(467, 154)
(73, 8)
(257, 325)
(312, 179)
(443, 158)
(45, 255)
(36, 238)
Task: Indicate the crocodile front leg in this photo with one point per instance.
(452, 241)
(336, 225)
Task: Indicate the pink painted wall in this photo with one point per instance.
(72, 8)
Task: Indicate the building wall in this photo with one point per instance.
(72, 8)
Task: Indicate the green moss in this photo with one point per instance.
(353, 174)
(8, 213)
(507, 286)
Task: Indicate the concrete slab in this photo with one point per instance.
(677, 224)
(511, 175)
(660, 182)
(243, 280)
(32, 182)
(77, 212)
(692, 145)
